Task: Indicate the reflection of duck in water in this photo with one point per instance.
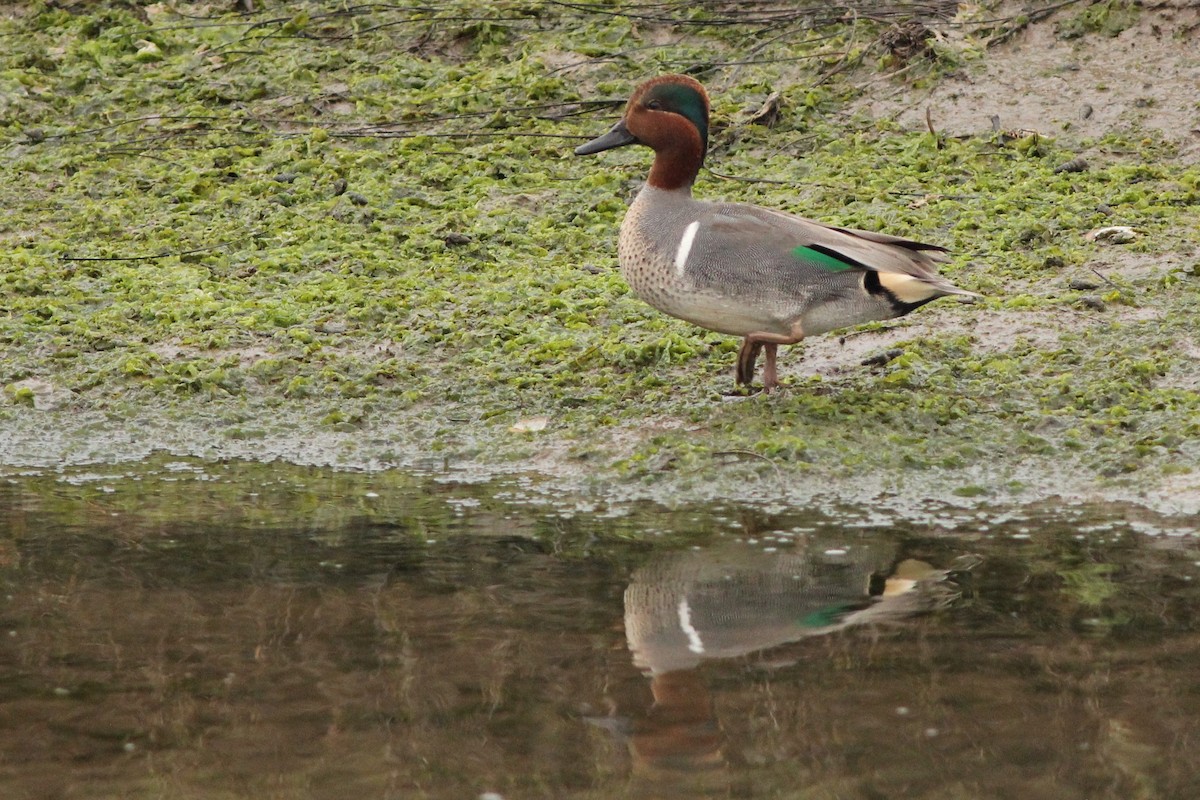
(688, 607)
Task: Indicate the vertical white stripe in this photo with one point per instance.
(695, 643)
(685, 246)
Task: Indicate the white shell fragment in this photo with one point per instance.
(530, 425)
(1112, 234)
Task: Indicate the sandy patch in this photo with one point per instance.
(1074, 89)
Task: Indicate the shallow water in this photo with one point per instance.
(179, 630)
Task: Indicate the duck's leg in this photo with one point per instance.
(747, 357)
(749, 354)
(770, 376)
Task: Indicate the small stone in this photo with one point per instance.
(1074, 165)
(1093, 302)
(879, 359)
(1083, 285)
(357, 198)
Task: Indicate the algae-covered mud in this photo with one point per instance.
(354, 235)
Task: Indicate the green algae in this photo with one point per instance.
(1108, 18)
(368, 219)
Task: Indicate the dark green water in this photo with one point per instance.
(186, 630)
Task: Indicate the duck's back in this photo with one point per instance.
(739, 269)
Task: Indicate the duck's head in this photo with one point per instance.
(668, 114)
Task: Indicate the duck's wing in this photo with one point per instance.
(750, 243)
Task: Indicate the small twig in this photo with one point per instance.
(129, 151)
(888, 75)
(154, 257)
(851, 189)
(1029, 18)
(740, 179)
(752, 454)
(842, 65)
(1102, 277)
(610, 57)
(411, 134)
(132, 120)
(881, 329)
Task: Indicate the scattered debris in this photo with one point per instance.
(907, 40)
(1012, 133)
(1112, 234)
(925, 200)
(1020, 133)
(530, 425)
(768, 113)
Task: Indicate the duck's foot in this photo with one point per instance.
(747, 358)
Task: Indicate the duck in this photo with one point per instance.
(771, 277)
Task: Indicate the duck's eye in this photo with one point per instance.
(654, 105)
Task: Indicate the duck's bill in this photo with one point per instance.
(617, 136)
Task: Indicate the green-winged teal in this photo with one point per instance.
(768, 276)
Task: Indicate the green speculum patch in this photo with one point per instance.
(824, 260)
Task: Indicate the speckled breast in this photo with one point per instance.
(646, 250)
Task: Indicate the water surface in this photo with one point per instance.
(188, 630)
